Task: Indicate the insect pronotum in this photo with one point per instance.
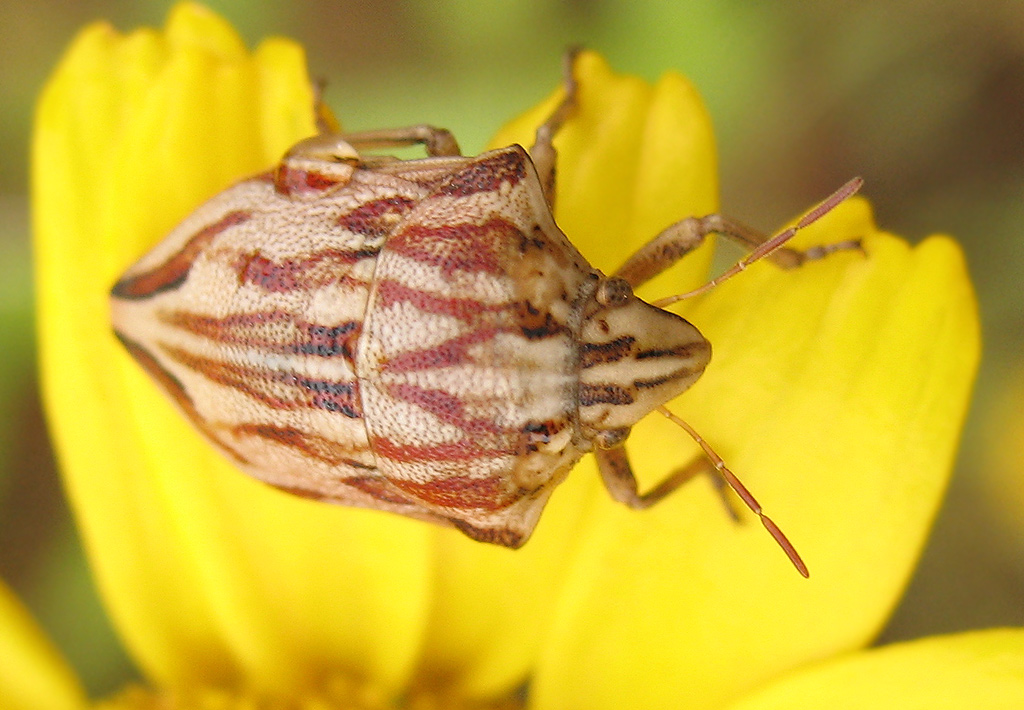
(418, 336)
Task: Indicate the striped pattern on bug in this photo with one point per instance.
(416, 336)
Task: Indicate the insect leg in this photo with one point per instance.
(618, 478)
(326, 122)
(436, 141)
(543, 150)
(679, 239)
(617, 474)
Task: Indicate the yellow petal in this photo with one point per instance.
(981, 669)
(836, 392)
(210, 577)
(634, 159)
(32, 673)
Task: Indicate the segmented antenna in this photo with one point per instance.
(766, 248)
(742, 492)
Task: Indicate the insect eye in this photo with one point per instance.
(611, 438)
(613, 292)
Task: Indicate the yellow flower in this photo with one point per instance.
(980, 669)
(837, 392)
(32, 673)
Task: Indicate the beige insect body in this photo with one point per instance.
(417, 336)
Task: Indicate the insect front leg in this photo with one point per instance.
(679, 239)
(543, 152)
(618, 478)
(617, 474)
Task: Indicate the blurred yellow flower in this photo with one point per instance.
(32, 673)
(980, 669)
(837, 392)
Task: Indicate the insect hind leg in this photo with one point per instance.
(438, 142)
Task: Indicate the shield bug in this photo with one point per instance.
(418, 336)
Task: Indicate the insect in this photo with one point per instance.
(418, 336)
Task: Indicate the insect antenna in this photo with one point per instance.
(741, 491)
(770, 245)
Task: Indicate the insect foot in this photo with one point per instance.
(419, 336)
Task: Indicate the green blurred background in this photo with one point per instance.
(924, 99)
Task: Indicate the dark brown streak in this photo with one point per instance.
(592, 354)
(681, 373)
(498, 536)
(172, 273)
(536, 324)
(683, 351)
(604, 394)
(329, 341)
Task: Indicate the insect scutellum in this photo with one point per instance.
(419, 336)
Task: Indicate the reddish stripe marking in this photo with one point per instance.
(532, 323)
(391, 292)
(487, 173)
(273, 331)
(173, 272)
(447, 354)
(277, 389)
(330, 452)
(445, 406)
(376, 218)
(295, 181)
(461, 246)
(379, 488)
(464, 450)
(320, 269)
(244, 328)
(460, 492)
